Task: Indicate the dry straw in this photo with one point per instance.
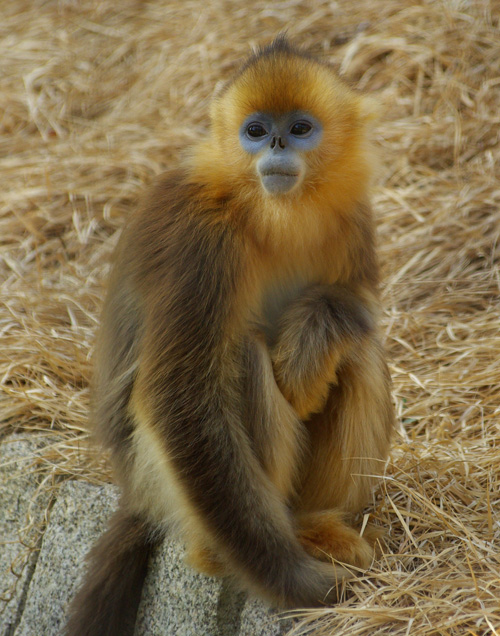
(96, 97)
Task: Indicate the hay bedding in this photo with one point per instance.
(98, 97)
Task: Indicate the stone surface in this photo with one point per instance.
(77, 519)
(22, 508)
(176, 600)
(180, 602)
(259, 620)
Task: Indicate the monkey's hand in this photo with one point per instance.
(316, 333)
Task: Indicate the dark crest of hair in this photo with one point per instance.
(281, 45)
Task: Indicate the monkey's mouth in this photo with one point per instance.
(279, 182)
(280, 174)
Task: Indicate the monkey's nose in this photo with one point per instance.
(280, 143)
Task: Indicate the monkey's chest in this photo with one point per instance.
(275, 300)
(288, 284)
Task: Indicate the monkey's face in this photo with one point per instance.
(279, 143)
(288, 127)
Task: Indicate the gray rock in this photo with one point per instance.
(22, 507)
(259, 620)
(77, 519)
(177, 601)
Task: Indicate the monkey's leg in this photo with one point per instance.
(349, 445)
(315, 333)
(349, 440)
(108, 600)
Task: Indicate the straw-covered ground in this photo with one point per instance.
(97, 97)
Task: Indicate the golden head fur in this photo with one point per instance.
(281, 78)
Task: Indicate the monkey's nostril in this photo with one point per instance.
(280, 143)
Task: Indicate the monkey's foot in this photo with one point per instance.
(205, 561)
(374, 536)
(325, 535)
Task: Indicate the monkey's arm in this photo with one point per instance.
(318, 330)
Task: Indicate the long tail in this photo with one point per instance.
(108, 600)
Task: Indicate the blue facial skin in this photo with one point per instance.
(280, 140)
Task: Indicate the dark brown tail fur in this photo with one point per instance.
(108, 600)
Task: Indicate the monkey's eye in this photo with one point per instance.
(254, 131)
(301, 129)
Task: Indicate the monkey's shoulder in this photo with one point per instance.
(175, 202)
(178, 242)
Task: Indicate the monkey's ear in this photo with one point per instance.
(370, 110)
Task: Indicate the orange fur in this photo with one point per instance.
(240, 383)
(339, 172)
(205, 560)
(325, 535)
